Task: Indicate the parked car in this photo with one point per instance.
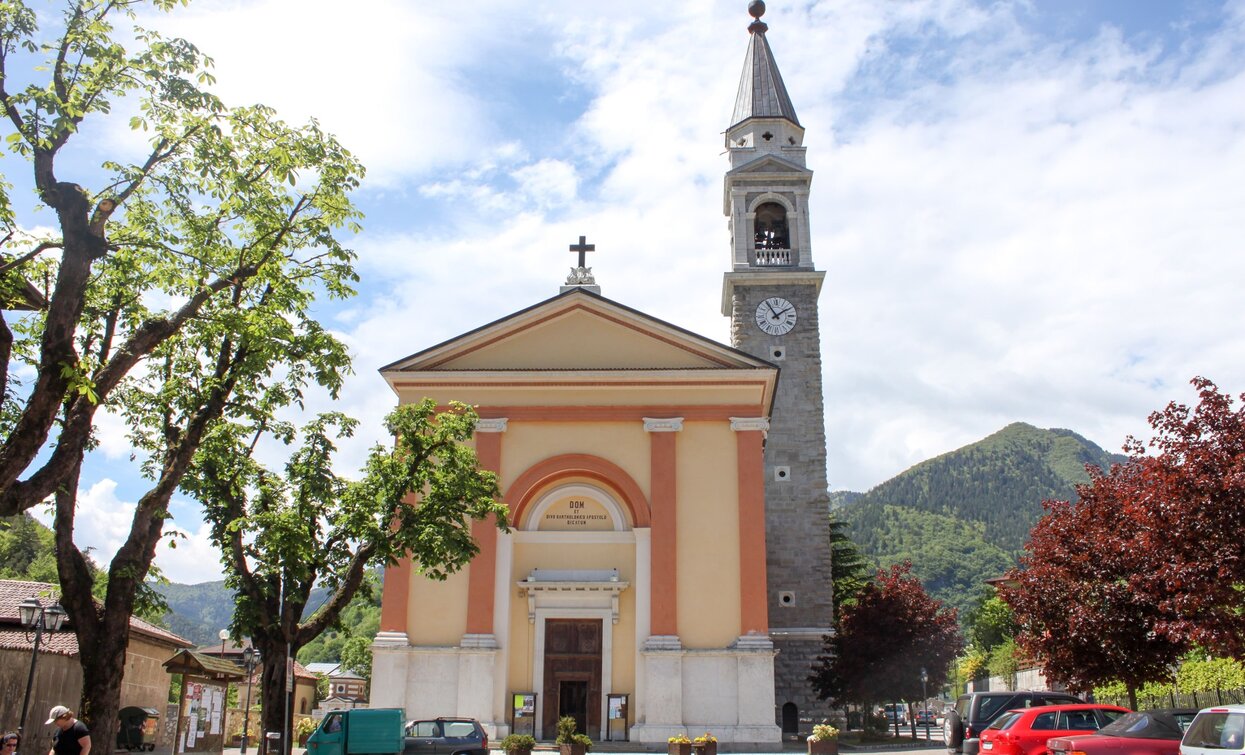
(924, 717)
(973, 712)
(446, 736)
(1150, 732)
(1215, 730)
(1025, 731)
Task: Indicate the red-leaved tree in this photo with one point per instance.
(1149, 561)
(1191, 515)
(1072, 595)
(882, 642)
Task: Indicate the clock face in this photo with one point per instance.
(776, 316)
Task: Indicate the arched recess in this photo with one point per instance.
(790, 718)
(542, 474)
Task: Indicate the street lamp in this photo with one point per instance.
(250, 657)
(34, 616)
(925, 699)
(223, 635)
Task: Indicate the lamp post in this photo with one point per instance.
(223, 635)
(250, 657)
(925, 700)
(34, 616)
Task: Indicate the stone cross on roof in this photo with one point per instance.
(581, 276)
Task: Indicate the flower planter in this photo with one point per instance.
(823, 747)
(523, 751)
(705, 748)
(676, 748)
(572, 749)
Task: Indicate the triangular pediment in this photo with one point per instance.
(769, 163)
(577, 330)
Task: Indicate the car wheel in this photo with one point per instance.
(953, 731)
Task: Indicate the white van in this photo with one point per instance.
(1215, 731)
(895, 713)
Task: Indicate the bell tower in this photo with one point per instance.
(770, 294)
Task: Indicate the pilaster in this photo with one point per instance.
(663, 465)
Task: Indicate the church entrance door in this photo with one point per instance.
(572, 674)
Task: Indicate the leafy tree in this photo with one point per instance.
(176, 288)
(990, 624)
(1077, 612)
(883, 641)
(283, 533)
(849, 569)
(1189, 506)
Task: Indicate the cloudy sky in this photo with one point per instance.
(1027, 211)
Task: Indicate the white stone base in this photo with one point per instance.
(727, 691)
(428, 682)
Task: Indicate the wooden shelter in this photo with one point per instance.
(201, 708)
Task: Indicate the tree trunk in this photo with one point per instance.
(273, 695)
(1132, 695)
(103, 635)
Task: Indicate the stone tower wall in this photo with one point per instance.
(797, 505)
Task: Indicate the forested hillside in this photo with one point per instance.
(963, 517)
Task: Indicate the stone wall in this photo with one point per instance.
(796, 499)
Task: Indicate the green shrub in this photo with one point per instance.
(518, 742)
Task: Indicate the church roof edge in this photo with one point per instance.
(738, 354)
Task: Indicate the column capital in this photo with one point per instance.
(492, 425)
(667, 425)
(745, 424)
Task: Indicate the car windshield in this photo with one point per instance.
(1216, 730)
(1005, 720)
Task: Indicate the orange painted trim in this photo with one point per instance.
(482, 574)
(396, 596)
(544, 473)
(664, 552)
(706, 413)
(753, 612)
(680, 345)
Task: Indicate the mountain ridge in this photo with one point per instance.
(965, 515)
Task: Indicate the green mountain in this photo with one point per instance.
(964, 517)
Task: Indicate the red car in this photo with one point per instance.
(1151, 732)
(1025, 731)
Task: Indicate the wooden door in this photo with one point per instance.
(572, 675)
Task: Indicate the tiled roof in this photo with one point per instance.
(14, 591)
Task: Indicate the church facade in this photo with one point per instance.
(667, 569)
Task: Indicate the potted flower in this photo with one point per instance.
(679, 744)
(303, 729)
(569, 741)
(518, 744)
(824, 741)
(705, 744)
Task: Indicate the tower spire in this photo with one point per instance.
(762, 93)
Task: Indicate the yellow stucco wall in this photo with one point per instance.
(437, 613)
(579, 339)
(622, 443)
(708, 526)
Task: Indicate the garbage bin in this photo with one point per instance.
(138, 728)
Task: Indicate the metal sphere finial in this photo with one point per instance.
(756, 9)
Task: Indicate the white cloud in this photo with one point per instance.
(1016, 224)
(102, 524)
